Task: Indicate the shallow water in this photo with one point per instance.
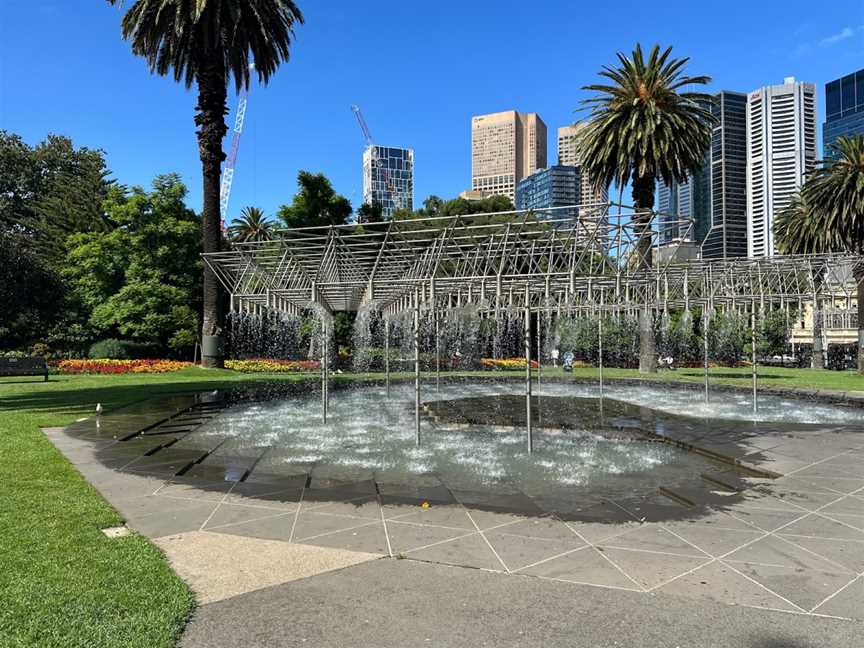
(370, 436)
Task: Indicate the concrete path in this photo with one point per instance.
(405, 603)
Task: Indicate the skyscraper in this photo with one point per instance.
(388, 178)
(844, 110)
(685, 201)
(555, 186)
(568, 153)
(505, 147)
(781, 150)
(727, 236)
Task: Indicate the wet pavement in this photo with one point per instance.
(773, 518)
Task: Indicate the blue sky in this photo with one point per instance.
(417, 70)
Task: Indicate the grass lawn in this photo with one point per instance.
(63, 584)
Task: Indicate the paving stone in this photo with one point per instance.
(586, 566)
(232, 514)
(405, 537)
(651, 537)
(172, 521)
(272, 527)
(370, 538)
(546, 528)
(310, 524)
(844, 553)
(773, 550)
(713, 540)
(721, 582)
(466, 551)
(518, 551)
(806, 588)
(845, 506)
(446, 516)
(822, 527)
(847, 602)
(652, 569)
(364, 507)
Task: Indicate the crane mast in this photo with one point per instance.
(231, 160)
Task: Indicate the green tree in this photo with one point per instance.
(370, 212)
(642, 128)
(141, 279)
(49, 191)
(829, 216)
(315, 203)
(252, 225)
(206, 43)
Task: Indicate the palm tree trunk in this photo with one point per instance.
(643, 199)
(210, 119)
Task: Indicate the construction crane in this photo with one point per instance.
(374, 161)
(231, 160)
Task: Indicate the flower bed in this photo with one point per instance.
(263, 365)
(117, 366)
(506, 363)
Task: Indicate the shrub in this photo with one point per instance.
(121, 350)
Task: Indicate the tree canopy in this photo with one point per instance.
(141, 279)
(315, 203)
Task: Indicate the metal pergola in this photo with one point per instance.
(561, 258)
(592, 257)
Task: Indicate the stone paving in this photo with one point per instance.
(793, 544)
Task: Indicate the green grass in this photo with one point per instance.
(63, 584)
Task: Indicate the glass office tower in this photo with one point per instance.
(844, 110)
(388, 178)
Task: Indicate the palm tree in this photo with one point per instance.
(206, 43)
(828, 216)
(642, 128)
(252, 225)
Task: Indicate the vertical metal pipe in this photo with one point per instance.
(437, 356)
(528, 375)
(705, 324)
(600, 349)
(753, 356)
(539, 354)
(387, 353)
(324, 371)
(417, 373)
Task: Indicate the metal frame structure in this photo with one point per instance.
(553, 259)
(582, 258)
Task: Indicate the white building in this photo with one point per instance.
(781, 150)
(388, 178)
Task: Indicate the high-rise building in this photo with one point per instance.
(505, 147)
(681, 202)
(388, 178)
(568, 153)
(555, 186)
(781, 150)
(727, 236)
(844, 110)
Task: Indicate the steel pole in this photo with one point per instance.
(705, 324)
(437, 356)
(600, 350)
(324, 372)
(417, 374)
(387, 354)
(753, 358)
(528, 377)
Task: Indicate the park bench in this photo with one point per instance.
(34, 366)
